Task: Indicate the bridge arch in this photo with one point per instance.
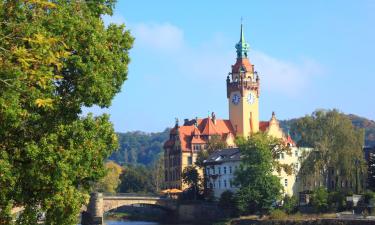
(99, 204)
(117, 201)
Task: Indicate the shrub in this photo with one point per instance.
(368, 196)
(278, 214)
(319, 199)
(336, 201)
(290, 204)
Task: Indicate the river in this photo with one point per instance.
(118, 222)
(114, 222)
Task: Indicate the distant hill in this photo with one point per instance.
(360, 122)
(139, 147)
(143, 148)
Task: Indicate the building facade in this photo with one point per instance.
(243, 92)
(221, 165)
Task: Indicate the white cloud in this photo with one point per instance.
(285, 77)
(163, 37)
(211, 60)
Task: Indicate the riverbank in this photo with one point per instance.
(302, 219)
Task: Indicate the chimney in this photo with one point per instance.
(213, 117)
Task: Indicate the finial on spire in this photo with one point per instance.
(242, 47)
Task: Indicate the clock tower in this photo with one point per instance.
(243, 92)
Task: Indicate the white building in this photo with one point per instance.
(219, 171)
(221, 165)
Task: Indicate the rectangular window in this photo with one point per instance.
(219, 170)
(296, 153)
(225, 170)
(225, 183)
(282, 155)
(286, 182)
(219, 182)
(230, 170)
(190, 160)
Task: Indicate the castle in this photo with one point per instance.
(243, 92)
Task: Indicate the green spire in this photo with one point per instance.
(242, 47)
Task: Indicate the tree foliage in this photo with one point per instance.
(136, 179)
(337, 146)
(191, 177)
(139, 147)
(56, 57)
(111, 181)
(259, 188)
(319, 199)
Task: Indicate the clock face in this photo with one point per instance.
(251, 98)
(236, 99)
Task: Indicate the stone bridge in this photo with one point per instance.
(99, 204)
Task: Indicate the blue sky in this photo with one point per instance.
(309, 55)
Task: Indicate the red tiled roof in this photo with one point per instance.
(245, 63)
(204, 127)
(290, 141)
(198, 140)
(263, 125)
(209, 127)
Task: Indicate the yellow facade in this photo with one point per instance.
(243, 115)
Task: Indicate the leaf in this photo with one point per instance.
(47, 103)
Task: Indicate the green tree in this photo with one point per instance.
(55, 58)
(290, 204)
(136, 179)
(111, 181)
(337, 147)
(191, 177)
(259, 188)
(158, 173)
(319, 199)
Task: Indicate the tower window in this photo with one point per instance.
(286, 182)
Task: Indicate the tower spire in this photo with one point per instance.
(242, 47)
(242, 36)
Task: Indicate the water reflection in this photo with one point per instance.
(113, 222)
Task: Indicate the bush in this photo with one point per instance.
(336, 201)
(368, 196)
(319, 200)
(278, 214)
(290, 204)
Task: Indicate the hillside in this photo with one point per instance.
(143, 148)
(139, 147)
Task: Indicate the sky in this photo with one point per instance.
(309, 55)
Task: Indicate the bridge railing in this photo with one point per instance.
(132, 195)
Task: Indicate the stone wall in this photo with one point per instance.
(199, 212)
